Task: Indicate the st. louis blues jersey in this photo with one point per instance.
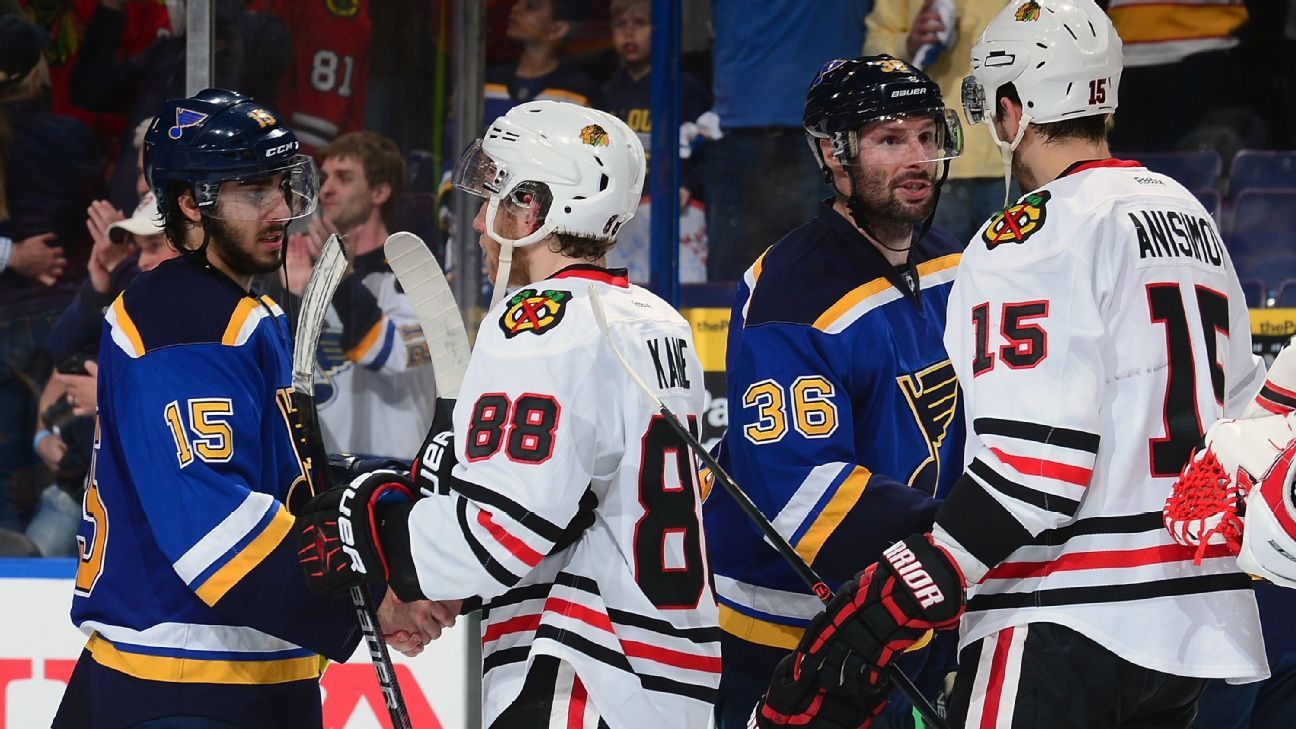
(188, 584)
(1097, 325)
(549, 425)
(844, 424)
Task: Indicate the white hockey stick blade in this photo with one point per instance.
(601, 318)
(316, 299)
(424, 283)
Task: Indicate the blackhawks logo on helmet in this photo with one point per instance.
(1018, 222)
(533, 311)
(594, 135)
(1028, 13)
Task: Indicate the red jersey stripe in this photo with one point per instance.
(515, 546)
(679, 659)
(1104, 560)
(1028, 466)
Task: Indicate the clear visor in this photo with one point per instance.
(477, 174)
(288, 193)
(911, 139)
(974, 100)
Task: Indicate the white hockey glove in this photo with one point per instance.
(1269, 544)
(1206, 504)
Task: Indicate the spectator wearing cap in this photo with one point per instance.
(50, 166)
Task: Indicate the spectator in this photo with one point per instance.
(763, 54)
(975, 188)
(1179, 67)
(102, 80)
(378, 392)
(628, 96)
(49, 167)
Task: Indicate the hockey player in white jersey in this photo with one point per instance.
(1095, 325)
(557, 497)
(1245, 472)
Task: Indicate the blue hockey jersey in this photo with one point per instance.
(844, 424)
(188, 584)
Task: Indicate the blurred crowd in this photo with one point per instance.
(1208, 96)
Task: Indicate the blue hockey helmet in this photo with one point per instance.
(219, 136)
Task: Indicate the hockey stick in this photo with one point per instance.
(424, 283)
(316, 298)
(803, 570)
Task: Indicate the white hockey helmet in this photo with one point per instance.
(1062, 56)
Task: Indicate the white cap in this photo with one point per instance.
(146, 220)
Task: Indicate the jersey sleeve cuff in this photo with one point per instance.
(976, 529)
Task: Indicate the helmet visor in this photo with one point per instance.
(911, 139)
(277, 196)
(974, 100)
(477, 174)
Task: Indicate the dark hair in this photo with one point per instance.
(379, 157)
(1091, 128)
(174, 223)
(584, 247)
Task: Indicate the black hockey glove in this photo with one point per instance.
(796, 698)
(337, 531)
(436, 457)
(887, 608)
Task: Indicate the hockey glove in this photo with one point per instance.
(436, 457)
(1206, 504)
(337, 531)
(796, 699)
(915, 587)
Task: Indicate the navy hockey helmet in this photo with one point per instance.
(219, 136)
(846, 95)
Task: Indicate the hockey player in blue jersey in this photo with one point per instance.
(845, 427)
(188, 585)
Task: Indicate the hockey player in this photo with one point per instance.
(844, 419)
(1095, 324)
(557, 496)
(187, 583)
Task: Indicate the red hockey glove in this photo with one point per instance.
(337, 531)
(796, 699)
(915, 587)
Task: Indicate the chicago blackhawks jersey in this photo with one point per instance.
(375, 389)
(844, 424)
(188, 585)
(549, 425)
(1097, 326)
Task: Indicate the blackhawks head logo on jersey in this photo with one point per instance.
(1018, 222)
(533, 311)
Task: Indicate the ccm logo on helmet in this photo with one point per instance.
(281, 148)
(908, 92)
(911, 571)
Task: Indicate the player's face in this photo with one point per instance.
(530, 21)
(512, 224)
(345, 196)
(248, 235)
(632, 36)
(893, 178)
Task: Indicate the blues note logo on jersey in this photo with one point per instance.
(533, 311)
(932, 394)
(1019, 222)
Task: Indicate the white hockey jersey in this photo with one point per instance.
(374, 388)
(548, 424)
(1097, 326)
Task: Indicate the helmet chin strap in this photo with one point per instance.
(506, 249)
(1006, 149)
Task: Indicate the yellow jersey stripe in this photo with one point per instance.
(271, 304)
(126, 326)
(761, 632)
(237, 320)
(937, 265)
(831, 515)
(849, 301)
(215, 587)
(197, 670)
(1161, 22)
(356, 353)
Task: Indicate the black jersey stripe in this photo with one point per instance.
(1034, 497)
(661, 684)
(544, 529)
(1110, 593)
(493, 567)
(644, 622)
(1127, 524)
(1278, 398)
(618, 661)
(1078, 440)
